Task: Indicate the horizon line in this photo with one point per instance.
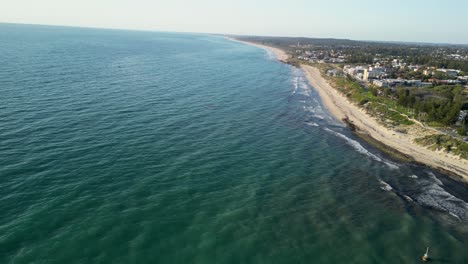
(231, 34)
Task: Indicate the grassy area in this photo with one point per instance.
(390, 114)
(435, 124)
(385, 110)
(445, 143)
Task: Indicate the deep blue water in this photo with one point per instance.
(147, 147)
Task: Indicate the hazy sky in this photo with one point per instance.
(397, 20)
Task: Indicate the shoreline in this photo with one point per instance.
(367, 127)
(280, 54)
(340, 107)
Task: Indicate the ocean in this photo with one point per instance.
(149, 147)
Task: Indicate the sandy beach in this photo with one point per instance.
(340, 107)
(279, 54)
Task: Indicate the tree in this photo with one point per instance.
(463, 130)
(452, 113)
(440, 75)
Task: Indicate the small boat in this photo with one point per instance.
(425, 258)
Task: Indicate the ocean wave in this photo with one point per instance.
(312, 124)
(316, 111)
(407, 198)
(434, 196)
(296, 85)
(358, 147)
(385, 186)
(270, 54)
(301, 87)
(430, 193)
(435, 179)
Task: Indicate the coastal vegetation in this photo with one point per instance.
(445, 143)
(419, 105)
(382, 108)
(417, 54)
(404, 109)
(438, 105)
(447, 56)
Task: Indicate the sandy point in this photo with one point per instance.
(279, 54)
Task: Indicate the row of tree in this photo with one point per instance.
(421, 55)
(430, 61)
(442, 106)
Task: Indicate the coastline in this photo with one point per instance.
(280, 54)
(340, 107)
(368, 127)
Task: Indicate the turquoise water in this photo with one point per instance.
(143, 147)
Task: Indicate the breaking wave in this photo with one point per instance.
(312, 124)
(295, 85)
(434, 196)
(358, 147)
(431, 193)
(385, 186)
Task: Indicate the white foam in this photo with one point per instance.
(296, 85)
(357, 146)
(312, 124)
(270, 54)
(304, 88)
(407, 198)
(317, 112)
(391, 165)
(413, 176)
(454, 215)
(385, 186)
(436, 197)
(435, 179)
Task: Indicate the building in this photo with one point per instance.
(426, 84)
(462, 117)
(359, 76)
(348, 69)
(380, 83)
(337, 60)
(389, 83)
(449, 72)
(413, 83)
(333, 72)
(400, 83)
(428, 72)
(413, 67)
(373, 73)
(356, 72)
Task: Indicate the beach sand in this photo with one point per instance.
(341, 108)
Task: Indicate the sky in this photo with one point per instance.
(434, 21)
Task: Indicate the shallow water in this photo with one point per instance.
(142, 147)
